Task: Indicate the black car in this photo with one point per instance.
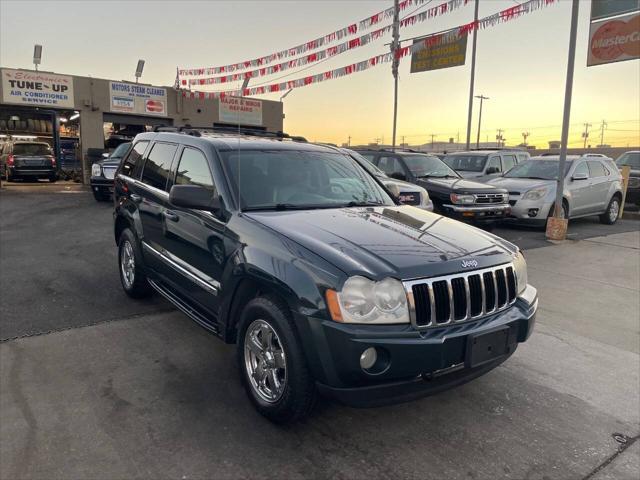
(451, 195)
(632, 160)
(103, 172)
(28, 160)
(297, 254)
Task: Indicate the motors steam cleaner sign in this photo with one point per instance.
(138, 99)
(37, 88)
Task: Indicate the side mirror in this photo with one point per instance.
(105, 155)
(393, 188)
(492, 170)
(194, 196)
(580, 176)
(398, 176)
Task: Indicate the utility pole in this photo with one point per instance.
(525, 135)
(395, 44)
(585, 134)
(482, 98)
(433, 136)
(500, 138)
(473, 74)
(349, 140)
(602, 127)
(557, 228)
(402, 141)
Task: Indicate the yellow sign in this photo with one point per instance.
(444, 55)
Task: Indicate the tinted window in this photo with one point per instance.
(630, 158)
(368, 155)
(428, 166)
(157, 166)
(508, 161)
(193, 169)
(390, 165)
(466, 163)
(494, 163)
(31, 149)
(596, 169)
(120, 151)
(582, 168)
(134, 158)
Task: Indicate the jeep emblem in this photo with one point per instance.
(469, 263)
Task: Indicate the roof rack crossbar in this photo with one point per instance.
(197, 132)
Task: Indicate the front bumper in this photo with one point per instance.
(420, 363)
(478, 213)
(101, 184)
(530, 211)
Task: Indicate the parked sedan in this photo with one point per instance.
(632, 159)
(103, 172)
(407, 193)
(592, 186)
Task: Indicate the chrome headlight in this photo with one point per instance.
(96, 170)
(520, 267)
(535, 193)
(462, 199)
(364, 301)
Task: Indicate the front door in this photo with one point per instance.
(194, 240)
(580, 190)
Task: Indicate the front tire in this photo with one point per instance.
(132, 275)
(610, 216)
(272, 366)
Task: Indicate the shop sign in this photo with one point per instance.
(241, 111)
(614, 40)
(37, 88)
(445, 55)
(138, 99)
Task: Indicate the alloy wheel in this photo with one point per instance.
(265, 361)
(614, 210)
(127, 264)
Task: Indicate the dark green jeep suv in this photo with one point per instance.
(325, 282)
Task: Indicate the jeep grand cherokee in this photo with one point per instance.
(324, 281)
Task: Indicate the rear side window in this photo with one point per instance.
(582, 168)
(193, 169)
(156, 168)
(596, 169)
(522, 157)
(494, 163)
(134, 160)
(508, 162)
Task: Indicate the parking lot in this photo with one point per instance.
(96, 385)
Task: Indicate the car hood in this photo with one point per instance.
(110, 162)
(520, 185)
(402, 185)
(399, 241)
(464, 174)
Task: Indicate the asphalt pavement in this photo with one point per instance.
(96, 385)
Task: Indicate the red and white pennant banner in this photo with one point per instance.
(506, 15)
(321, 41)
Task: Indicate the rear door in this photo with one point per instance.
(600, 185)
(194, 239)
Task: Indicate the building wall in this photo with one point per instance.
(92, 99)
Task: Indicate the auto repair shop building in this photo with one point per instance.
(75, 113)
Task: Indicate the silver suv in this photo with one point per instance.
(592, 186)
(483, 165)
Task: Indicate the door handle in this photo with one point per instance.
(135, 198)
(169, 215)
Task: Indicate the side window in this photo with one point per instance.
(193, 169)
(494, 164)
(134, 159)
(508, 162)
(368, 155)
(596, 169)
(390, 165)
(522, 157)
(582, 168)
(156, 169)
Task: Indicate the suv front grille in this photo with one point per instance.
(439, 301)
(484, 198)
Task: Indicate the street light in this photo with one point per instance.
(139, 69)
(37, 55)
(482, 98)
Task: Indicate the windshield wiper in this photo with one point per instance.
(281, 206)
(438, 176)
(534, 178)
(368, 203)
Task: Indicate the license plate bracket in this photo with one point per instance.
(487, 346)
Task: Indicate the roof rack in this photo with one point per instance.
(198, 131)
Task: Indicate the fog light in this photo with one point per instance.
(533, 212)
(368, 358)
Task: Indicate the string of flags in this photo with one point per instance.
(329, 38)
(503, 16)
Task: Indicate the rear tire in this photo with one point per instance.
(53, 179)
(610, 216)
(288, 393)
(131, 267)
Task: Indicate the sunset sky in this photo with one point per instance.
(521, 64)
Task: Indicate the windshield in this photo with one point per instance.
(538, 169)
(31, 149)
(466, 163)
(290, 179)
(428, 166)
(630, 158)
(370, 167)
(120, 151)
